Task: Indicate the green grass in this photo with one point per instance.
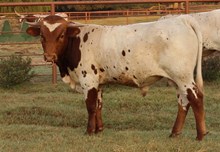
(44, 117)
(43, 69)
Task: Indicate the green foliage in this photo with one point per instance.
(14, 70)
(6, 36)
(7, 9)
(211, 69)
(24, 26)
(6, 27)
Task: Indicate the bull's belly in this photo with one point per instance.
(143, 84)
(135, 81)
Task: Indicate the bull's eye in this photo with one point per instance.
(61, 36)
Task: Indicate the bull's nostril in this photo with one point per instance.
(50, 58)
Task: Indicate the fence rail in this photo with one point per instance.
(188, 6)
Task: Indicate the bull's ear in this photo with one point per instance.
(33, 31)
(72, 31)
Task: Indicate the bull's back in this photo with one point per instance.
(149, 43)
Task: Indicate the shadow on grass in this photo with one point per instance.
(43, 116)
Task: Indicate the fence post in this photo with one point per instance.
(54, 66)
(86, 17)
(52, 9)
(187, 6)
(127, 13)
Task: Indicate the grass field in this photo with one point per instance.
(39, 116)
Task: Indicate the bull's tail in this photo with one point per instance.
(199, 80)
(195, 26)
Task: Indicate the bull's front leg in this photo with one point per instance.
(94, 106)
(99, 124)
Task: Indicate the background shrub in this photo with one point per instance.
(211, 69)
(15, 70)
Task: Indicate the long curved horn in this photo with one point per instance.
(19, 14)
(34, 24)
(75, 24)
(40, 16)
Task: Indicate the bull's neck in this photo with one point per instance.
(72, 53)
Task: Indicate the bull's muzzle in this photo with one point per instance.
(50, 57)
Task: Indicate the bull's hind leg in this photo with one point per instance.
(195, 97)
(180, 120)
(183, 107)
(94, 107)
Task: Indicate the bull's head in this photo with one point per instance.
(54, 32)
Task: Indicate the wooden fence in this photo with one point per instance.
(184, 6)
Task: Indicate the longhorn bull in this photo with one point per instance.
(37, 17)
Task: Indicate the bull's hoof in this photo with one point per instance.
(174, 135)
(90, 132)
(98, 130)
(200, 137)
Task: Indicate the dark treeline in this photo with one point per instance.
(69, 8)
(78, 8)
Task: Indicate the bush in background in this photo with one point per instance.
(211, 69)
(15, 70)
